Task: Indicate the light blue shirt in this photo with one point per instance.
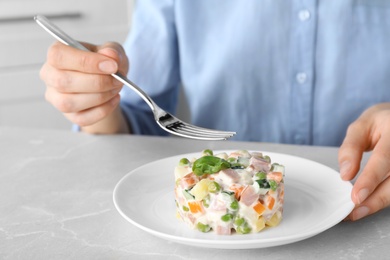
(272, 70)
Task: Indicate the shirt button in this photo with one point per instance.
(301, 77)
(304, 15)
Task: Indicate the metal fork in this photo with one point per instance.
(164, 119)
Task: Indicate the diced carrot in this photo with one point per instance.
(280, 191)
(259, 208)
(188, 181)
(271, 192)
(270, 202)
(195, 206)
(281, 195)
(276, 176)
(237, 189)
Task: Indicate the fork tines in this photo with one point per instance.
(195, 132)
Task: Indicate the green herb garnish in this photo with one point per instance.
(209, 164)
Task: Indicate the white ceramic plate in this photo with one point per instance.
(316, 199)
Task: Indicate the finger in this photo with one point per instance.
(95, 114)
(116, 52)
(77, 82)
(68, 58)
(72, 103)
(375, 171)
(352, 148)
(378, 200)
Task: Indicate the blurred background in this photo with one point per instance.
(23, 47)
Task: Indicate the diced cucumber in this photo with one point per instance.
(188, 195)
(277, 168)
(273, 185)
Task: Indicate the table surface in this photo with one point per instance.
(56, 201)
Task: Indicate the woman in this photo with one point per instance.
(301, 72)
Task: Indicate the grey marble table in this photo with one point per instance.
(56, 202)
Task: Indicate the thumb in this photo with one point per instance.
(351, 151)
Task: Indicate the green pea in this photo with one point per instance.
(234, 205)
(207, 152)
(227, 217)
(214, 187)
(185, 208)
(239, 221)
(243, 229)
(184, 161)
(203, 227)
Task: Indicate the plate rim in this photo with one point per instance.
(244, 244)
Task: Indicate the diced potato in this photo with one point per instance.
(181, 171)
(274, 220)
(260, 224)
(178, 216)
(200, 190)
(250, 214)
(222, 156)
(244, 153)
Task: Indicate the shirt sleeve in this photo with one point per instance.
(152, 50)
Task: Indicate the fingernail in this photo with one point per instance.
(360, 212)
(108, 66)
(344, 168)
(362, 195)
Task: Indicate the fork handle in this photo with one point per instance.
(57, 33)
(136, 89)
(64, 38)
